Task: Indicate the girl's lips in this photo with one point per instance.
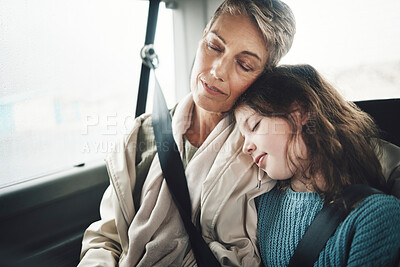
(259, 160)
(210, 89)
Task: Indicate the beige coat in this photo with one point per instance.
(222, 184)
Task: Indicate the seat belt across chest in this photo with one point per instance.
(172, 166)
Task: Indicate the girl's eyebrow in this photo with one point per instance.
(245, 123)
(243, 52)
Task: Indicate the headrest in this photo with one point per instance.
(384, 112)
(390, 161)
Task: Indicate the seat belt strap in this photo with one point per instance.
(173, 170)
(145, 69)
(325, 223)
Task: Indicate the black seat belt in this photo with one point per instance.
(325, 223)
(172, 167)
(145, 70)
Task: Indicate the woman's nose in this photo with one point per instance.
(248, 146)
(220, 69)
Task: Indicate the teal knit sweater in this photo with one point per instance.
(369, 236)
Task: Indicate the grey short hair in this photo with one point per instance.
(274, 18)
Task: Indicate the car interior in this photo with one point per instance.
(43, 217)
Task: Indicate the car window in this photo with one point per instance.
(354, 43)
(69, 75)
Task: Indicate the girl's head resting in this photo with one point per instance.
(243, 38)
(266, 141)
(325, 136)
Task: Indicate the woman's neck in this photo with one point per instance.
(203, 122)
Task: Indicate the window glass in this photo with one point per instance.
(69, 74)
(353, 43)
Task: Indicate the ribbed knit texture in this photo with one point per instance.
(369, 236)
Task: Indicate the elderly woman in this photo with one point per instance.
(140, 225)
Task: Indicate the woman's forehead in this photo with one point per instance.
(240, 24)
(240, 31)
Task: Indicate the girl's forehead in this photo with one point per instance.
(243, 113)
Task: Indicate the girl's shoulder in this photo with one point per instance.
(378, 208)
(374, 230)
(380, 202)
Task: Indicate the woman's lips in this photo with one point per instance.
(211, 89)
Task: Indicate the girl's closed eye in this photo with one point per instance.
(254, 128)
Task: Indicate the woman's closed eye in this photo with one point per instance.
(244, 66)
(213, 46)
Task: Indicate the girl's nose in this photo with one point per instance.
(248, 146)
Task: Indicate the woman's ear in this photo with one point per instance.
(205, 32)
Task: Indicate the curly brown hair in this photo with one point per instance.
(342, 141)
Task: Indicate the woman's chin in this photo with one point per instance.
(210, 105)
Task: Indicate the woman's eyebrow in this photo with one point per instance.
(251, 54)
(243, 52)
(219, 37)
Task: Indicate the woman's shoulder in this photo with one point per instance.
(141, 131)
(145, 136)
(146, 129)
(146, 125)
